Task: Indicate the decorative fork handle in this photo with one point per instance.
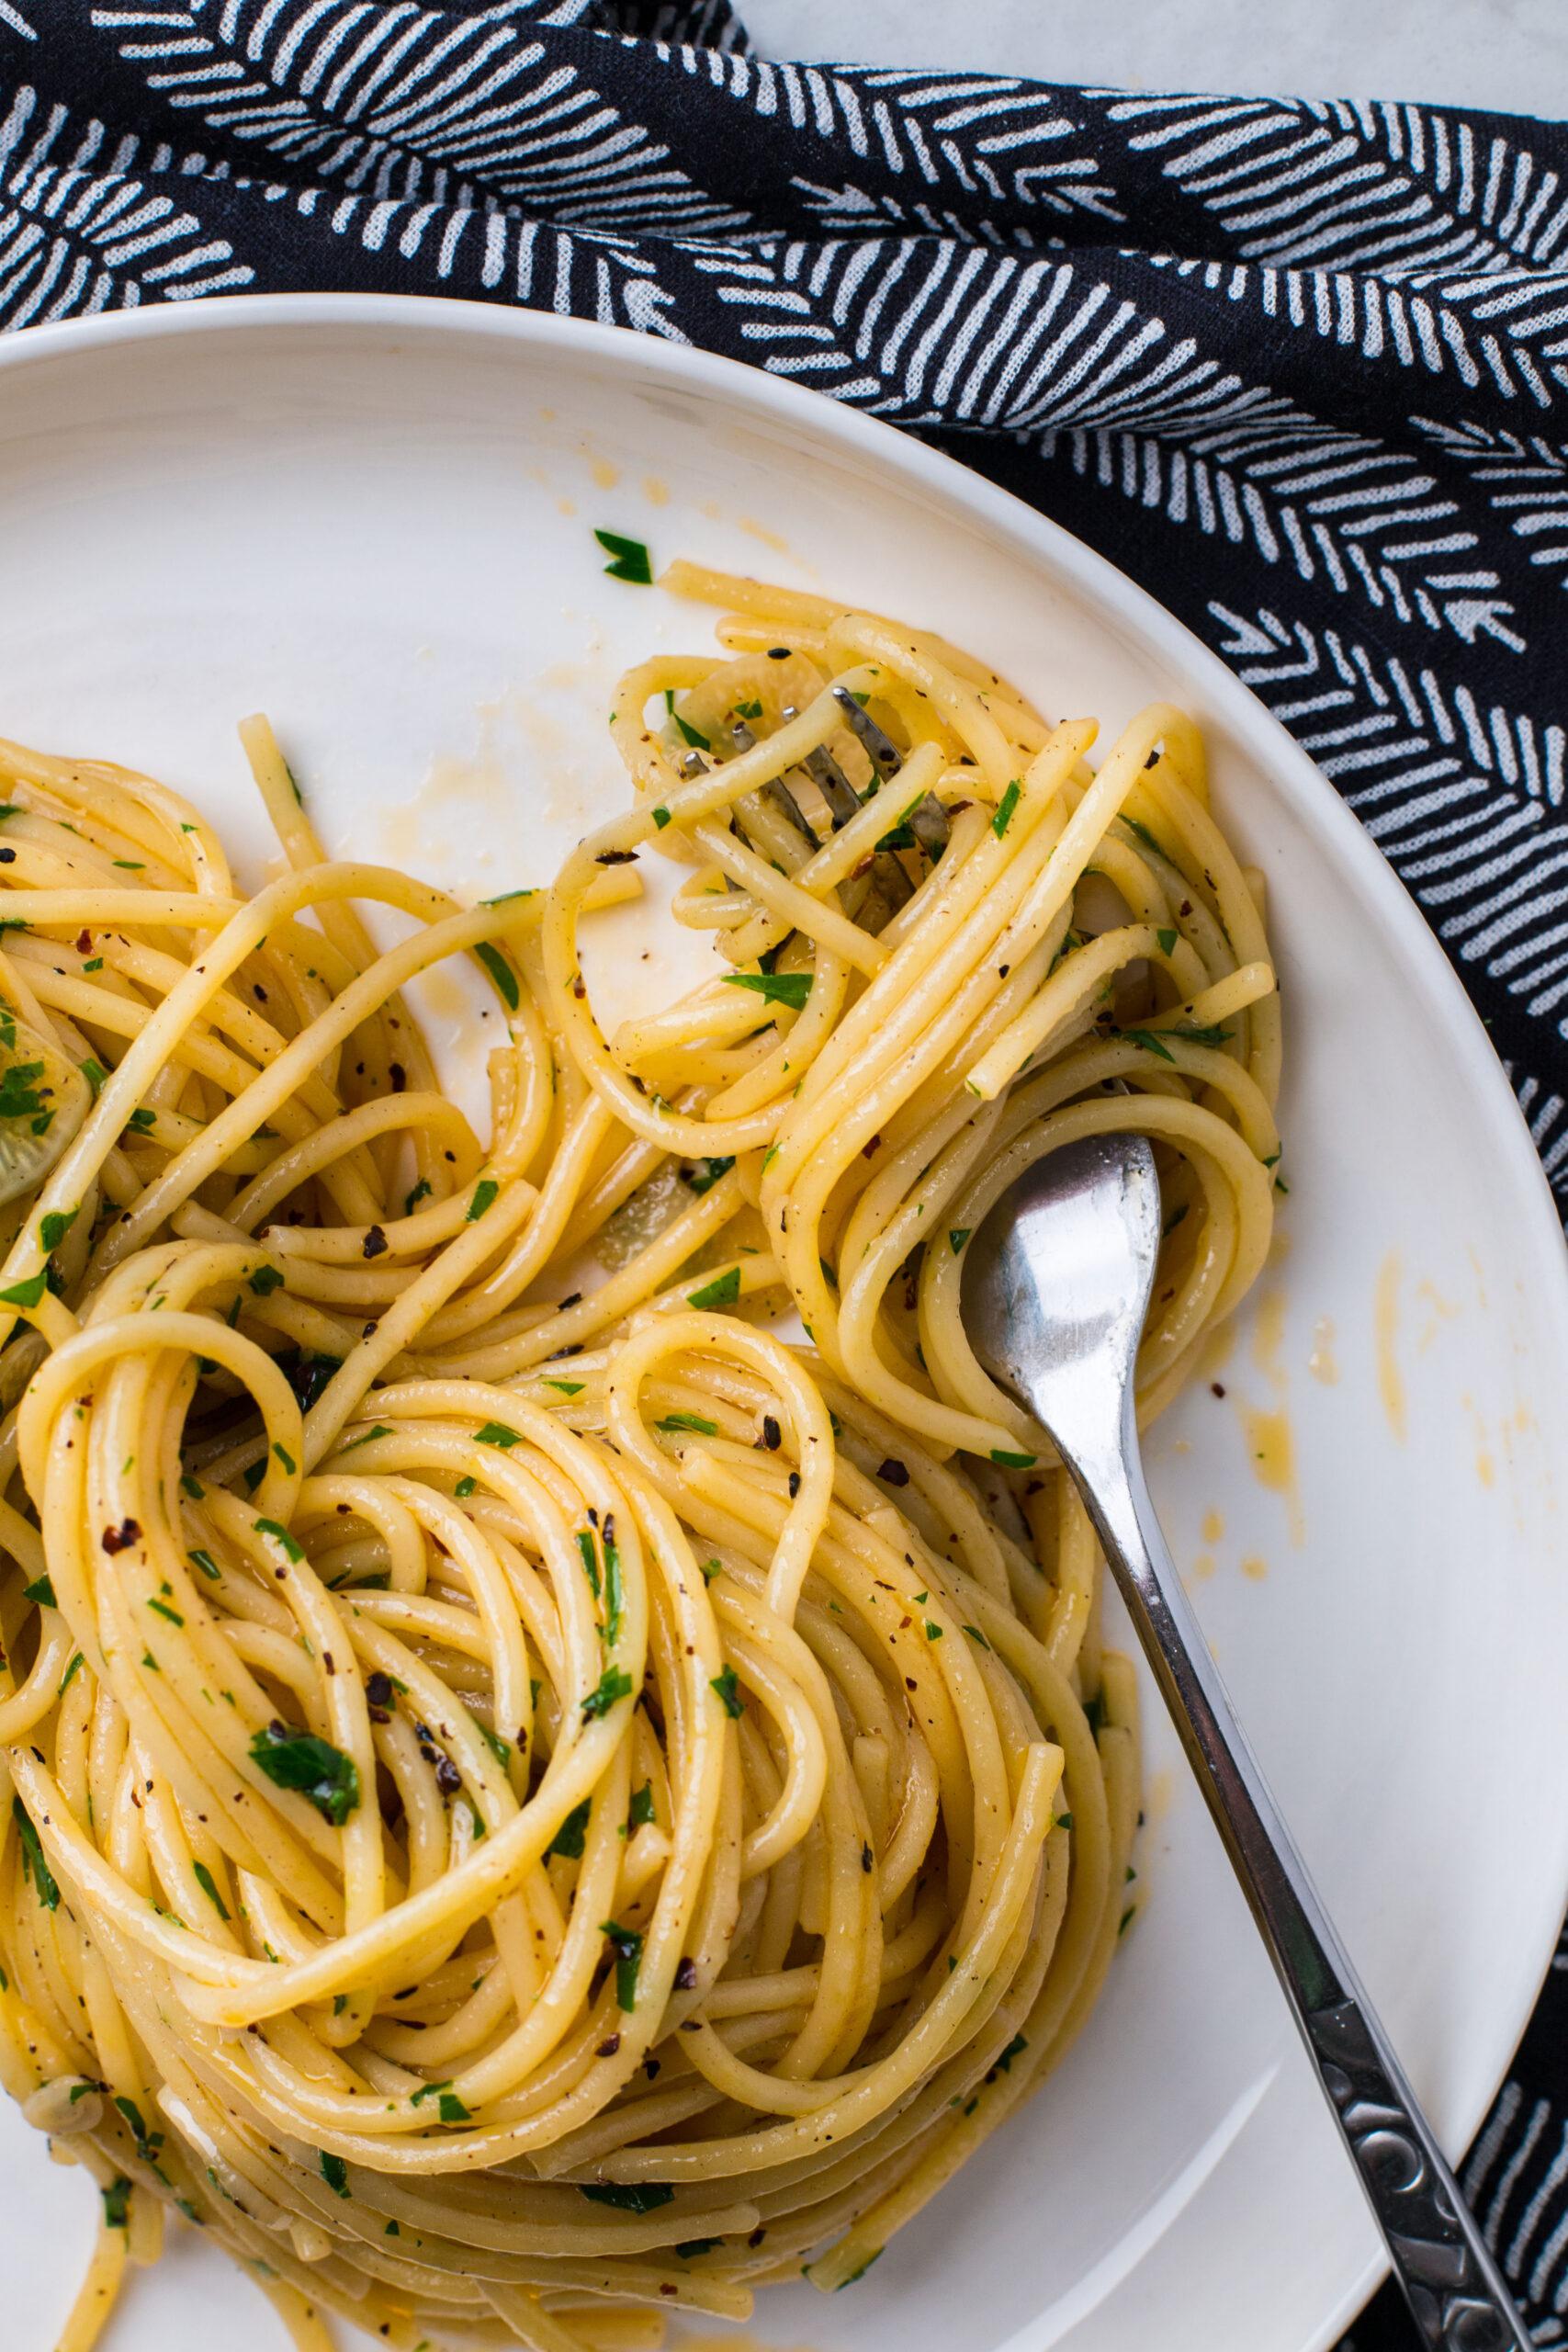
(1443, 2264)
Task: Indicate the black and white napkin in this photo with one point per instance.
(1300, 367)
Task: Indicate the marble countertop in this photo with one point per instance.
(1507, 54)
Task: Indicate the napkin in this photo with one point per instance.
(1300, 367)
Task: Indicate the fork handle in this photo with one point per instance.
(1444, 2266)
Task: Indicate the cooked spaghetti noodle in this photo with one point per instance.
(533, 1809)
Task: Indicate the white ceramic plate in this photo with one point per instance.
(374, 518)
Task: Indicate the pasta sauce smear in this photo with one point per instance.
(530, 1809)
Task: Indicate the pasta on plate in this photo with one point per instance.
(537, 1799)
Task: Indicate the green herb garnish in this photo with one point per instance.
(630, 559)
(728, 1689)
(1005, 807)
(569, 1838)
(706, 1174)
(613, 1684)
(774, 987)
(723, 1291)
(208, 1886)
(497, 1434)
(501, 972)
(628, 2197)
(626, 1945)
(298, 1760)
(34, 1865)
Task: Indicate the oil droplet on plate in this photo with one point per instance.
(769, 538)
(657, 492)
(1322, 1363)
(604, 474)
(567, 505)
(1385, 1321)
(1269, 1445)
(1273, 1455)
(1203, 1568)
(1254, 1569)
(1213, 1527)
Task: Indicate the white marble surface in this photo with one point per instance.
(1507, 54)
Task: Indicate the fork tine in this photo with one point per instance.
(842, 799)
(777, 792)
(880, 749)
(928, 821)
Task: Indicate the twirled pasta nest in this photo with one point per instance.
(533, 1809)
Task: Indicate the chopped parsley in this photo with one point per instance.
(484, 1194)
(626, 1945)
(34, 1865)
(501, 972)
(613, 1684)
(774, 987)
(367, 1437)
(614, 1591)
(1005, 807)
(55, 1225)
(630, 559)
(586, 1546)
(628, 2197)
(723, 1291)
(569, 1838)
(704, 1175)
(497, 1434)
(726, 1686)
(298, 1760)
(208, 1886)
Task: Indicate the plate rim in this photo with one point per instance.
(1077, 570)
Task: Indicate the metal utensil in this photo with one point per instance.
(1056, 1287)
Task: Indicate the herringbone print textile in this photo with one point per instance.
(1300, 367)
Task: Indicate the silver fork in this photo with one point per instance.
(1056, 1284)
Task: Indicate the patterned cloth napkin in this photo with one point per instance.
(1300, 368)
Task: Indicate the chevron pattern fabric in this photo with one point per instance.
(1300, 368)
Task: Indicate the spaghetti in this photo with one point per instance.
(531, 1809)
